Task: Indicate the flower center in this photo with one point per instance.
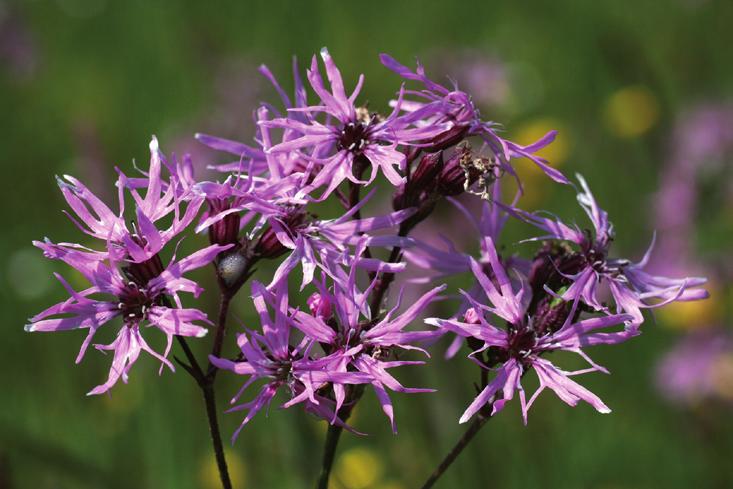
(354, 137)
(135, 303)
(521, 342)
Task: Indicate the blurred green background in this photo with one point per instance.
(83, 85)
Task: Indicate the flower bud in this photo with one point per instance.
(448, 138)
(319, 306)
(268, 246)
(226, 230)
(420, 182)
(550, 315)
(471, 316)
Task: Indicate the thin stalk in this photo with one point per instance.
(206, 382)
(334, 434)
(329, 453)
(473, 428)
(221, 462)
(220, 333)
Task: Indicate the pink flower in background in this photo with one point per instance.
(701, 143)
(483, 75)
(698, 368)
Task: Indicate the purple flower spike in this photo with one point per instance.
(518, 348)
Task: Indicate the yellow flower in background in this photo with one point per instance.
(209, 473)
(691, 315)
(534, 179)
(358, 468)
(631, 111)
(556, 152)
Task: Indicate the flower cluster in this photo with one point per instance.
(351, 334)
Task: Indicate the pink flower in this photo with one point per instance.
(518, 348)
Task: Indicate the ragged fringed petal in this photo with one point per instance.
(88, 262)
(264, 397)
(178, 322)
(566, 389)
(240, 368)
(98, 220)
(172, 279)
(126, 349)
(487, 394)
(395, 325)
(483, 331)
(507, 304)
(313, 327)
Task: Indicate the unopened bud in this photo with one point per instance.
(471, 316)
(268, 246)
(448, 138)
(420, 183)
(319, 306)
(226, 230)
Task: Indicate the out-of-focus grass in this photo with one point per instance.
(110, 74)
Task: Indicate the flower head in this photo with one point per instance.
(454, 108)
(140, 294)
(375, 343)
(351, 137)
(269, 356)
(630, 285)
(518, 348)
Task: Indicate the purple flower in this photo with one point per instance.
(129, 279)
(256, 155)
(269, 356)
(630, 285)
(162, 198)
(350, 135)
(456, 109)
(138, 293)
(326, 244)
(519, 347)
(372, 342)
(697, 368)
